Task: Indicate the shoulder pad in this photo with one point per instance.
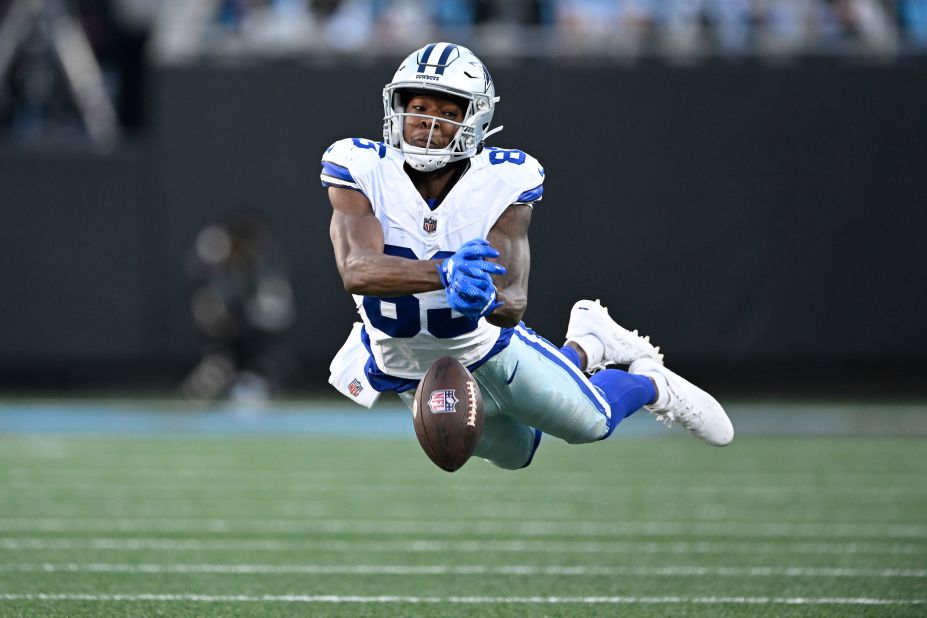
(521, 171)
(348, 158)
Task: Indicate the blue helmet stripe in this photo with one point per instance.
(424, 59)
(442, 61)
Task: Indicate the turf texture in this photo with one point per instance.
(300, 526)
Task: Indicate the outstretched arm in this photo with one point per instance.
(358, 242)
(510, 236)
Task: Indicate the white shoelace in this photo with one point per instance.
(687, 415)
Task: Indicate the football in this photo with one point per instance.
(448, 414)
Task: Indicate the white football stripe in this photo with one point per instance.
(306, 598)
(517, 570)
(518, 528)
(435, 546)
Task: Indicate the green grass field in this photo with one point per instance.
(300, 526)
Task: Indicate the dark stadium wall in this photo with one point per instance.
(77, 242)
(754, 220)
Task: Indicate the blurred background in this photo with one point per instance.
(744, 180)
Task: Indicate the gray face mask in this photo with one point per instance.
(448, 71)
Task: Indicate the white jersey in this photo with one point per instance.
(408, 333)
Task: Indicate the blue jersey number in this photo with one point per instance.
(498, 155)
(407, 321)
(366, 143)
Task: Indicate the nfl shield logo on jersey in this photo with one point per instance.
(430, 225)
(443, 401)
(355, 387)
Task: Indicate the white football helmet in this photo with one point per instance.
(445, 69)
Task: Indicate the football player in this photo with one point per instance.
(430, 233)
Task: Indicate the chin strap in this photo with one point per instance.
(492, 132)
(434, 162)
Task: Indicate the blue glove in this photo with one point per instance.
(471, 296)
(470, 260)
(466, 279)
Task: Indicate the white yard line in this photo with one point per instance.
(517, 570)
(313, 508)
(439, 546)
(304, 598)
(526, 528)
(260, 508)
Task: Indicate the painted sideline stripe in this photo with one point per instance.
(306, 598)
(431, 545)
(398, 569)
(452, 527)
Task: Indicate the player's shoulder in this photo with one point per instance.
(515, 168)
(511, 164)
(348, 161)
(355, 153)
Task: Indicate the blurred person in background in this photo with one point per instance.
(73, 70)
(852, 25)
(913, 16)
(679, 29)
(131, 24)
(35, 99)
(190, 28)
(784, 27)
(242, 304)
(585, 26)
(400, 21)
(685, 22)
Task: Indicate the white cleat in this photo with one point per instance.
(682, 401)
(604, 341)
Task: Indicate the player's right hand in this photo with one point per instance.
(466, 278)
(473, 297)
(470, 261)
